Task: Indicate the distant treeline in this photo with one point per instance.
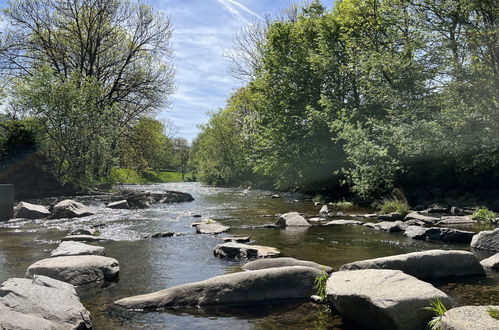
(372, 95)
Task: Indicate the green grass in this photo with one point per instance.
(494, 313)
(127, 175)
(320, 286)
(439, 309)
(393, 205)
(344, 205)
(483, 214)
(319, 199)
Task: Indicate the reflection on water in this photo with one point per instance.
(149, 265)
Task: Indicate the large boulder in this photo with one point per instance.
(420, 217)
(244, 288)
(382, 299)
(77, 270)
(470, 318)
(71, 248)
(210, 227)
(491, 262)
(137, 199)
(291, 219)
(232, 250)
(70, 209)
(486, 240)
(30, 211)
(283, 262)
(449, 235)
(41, 303)
(429, 264)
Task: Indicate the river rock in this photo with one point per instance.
(486, 240)
(383, 299)
(291, 219)
(491, 262)
(83, 238)
(449, 235)
(470, 318)
(421, 217)
(393, 216)
(30, 211)
(41, 303)
(425, 264)
(436, 208)
(461, 211)
(316, 219)
(455, 220)
(243, 288)
(161, 234)
(344, 222)
(324, 209)
(77, 270)
(143, 199)
(232, 250)
(283, 262)
(70, 209)
(210, 227)
(72, 248)
(237, 239)
(416, 232)
(83, 231)
(122, 204)
(387, 226)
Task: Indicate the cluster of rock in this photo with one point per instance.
(67, 208)
(136, 199)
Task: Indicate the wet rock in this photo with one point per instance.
(414, 222)
(83, 231)
(382, 299)
(491, 262)
(393, 216)
(210, 227)
(72, 248)
(423, 265)
(283, 262)
(77, 270)
(416, 232)
(83, 238)
(244, 288)
(461, 211)
(233, 250)
(455, 220)
(41, 303)
(30, 211)
(122, 204)
(196, 215)
(143, 199)
(449, 235)
(324, 210)
(387, 226)
(316, 299)
(275, 196)
(237, 239)
(469, 318)
(436, 208)
(291, 219)
(70, 209)
(161, 235)
(344, 222)
(420, 217)
(316, 219)
(266, 226)
(172, 197)
(317, 203)
(370, 215)
(486, 240)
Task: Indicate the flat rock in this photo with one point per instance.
(436, 208)
(210, 227)
(370, 215)
(456, 220)
(243, 288)
(388, 226)
(237, 239)
(83, 238)
(30, 211)
(83, 231)
(232, 250)
(470, 318)
(491, 262)
(316, 219)
(449, 235)
(77, 270)
(121, 204)
(421, 217)
(283, 262)
(291, 219)
(393, 216)
(41, 303)
(486, 240)
(383, 299)
(70, 209)
(71, 248)
(344, 222)
(425, 264)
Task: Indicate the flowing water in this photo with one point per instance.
(148, 265)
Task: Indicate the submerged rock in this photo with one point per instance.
(41, 303)
(233, 250)
(161, 235)
(70, 209)
(30, 211)
(486, 240)
(291, 219)
(470, 318)
(72, 248)
(491, 262)
(283, 262)
(122, 204)
(383, 299)
(425, 264)
(344, 222)
(77, 270)
(244, 288)
(83, 238)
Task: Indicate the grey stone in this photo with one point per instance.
(209, 226)
(232, 250)
(486, 240)
(387, 226)
(491, 262)
(436, 208)
(449, 235)
(6, 202)
(244, 288)
(393, 216)
(143, 199)
(324, 210)
(425, 264)
(72, 248)
(344, 222)
(316, 219)
(456, 220)
(461, 211)
(370, 215)
(161, 234)
(292, 219)
(122, 204)
(383, 299)
(83, 238)
(30, 211)
(77, 270)
(237, 239)
(83, 231)
(421, 217)
(416, 232)
(283, 262)
(41, 303)
(70, 209)
(470, 318)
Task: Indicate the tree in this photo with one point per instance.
(182, 151)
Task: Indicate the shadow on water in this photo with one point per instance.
(148, 265)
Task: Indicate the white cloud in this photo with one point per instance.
(246, 9)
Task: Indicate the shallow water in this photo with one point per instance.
(149, 265)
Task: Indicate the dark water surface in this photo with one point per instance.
(150, 265)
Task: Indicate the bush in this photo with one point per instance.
(393, 205)
(485, 215)
(318, 198)
(343, 205)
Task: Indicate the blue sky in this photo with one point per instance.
(203, 30)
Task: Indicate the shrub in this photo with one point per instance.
(343, 205)
(319, 198)
(439, 309)
(484, 214)
(393, 205)
(320, 285)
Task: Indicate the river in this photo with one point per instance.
(148, 265)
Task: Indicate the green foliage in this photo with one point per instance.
(393, 205)
(439, 309)
(128, 175)
(344, 205)
(319, 198)
(485, 215)
(494, 313)
(320, 285)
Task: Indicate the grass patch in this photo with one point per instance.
(319, 198)
(494, 313)
(320, 286)
(127, 175)
(437, 307)
(345, 205)
(483, 214)
(394, 205)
